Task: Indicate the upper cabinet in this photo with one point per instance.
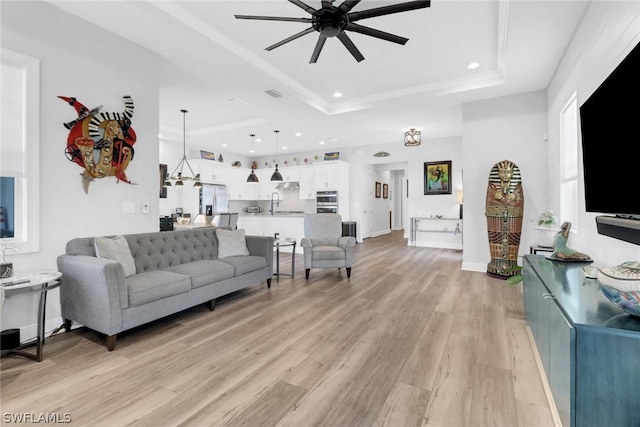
(328, 176)
(290, 173)
(211, 172)
(307, 182)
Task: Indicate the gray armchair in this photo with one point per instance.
(323, 244)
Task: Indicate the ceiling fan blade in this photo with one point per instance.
(346, 41)
(288, 39)
(318, 49)
(327, 4)
(357, 28)
(273, 18)
(347, 5)
(303, 6)
(386, 10)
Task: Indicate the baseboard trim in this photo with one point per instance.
(31, 331)
(545, 382)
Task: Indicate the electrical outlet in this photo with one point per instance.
(145, 208)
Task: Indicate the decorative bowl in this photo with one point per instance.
(183, 221)
(629, 301)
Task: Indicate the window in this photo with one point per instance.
(569, 163)
(20, 150)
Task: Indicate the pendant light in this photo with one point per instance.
(412, 138)
(252, 178)
(277, 176)
(177, 174)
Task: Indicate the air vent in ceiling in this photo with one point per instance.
(273, 93)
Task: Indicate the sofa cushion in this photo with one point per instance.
(245, 264)
(117, 249)
(231, 243)
(327, 253)
(154, 285)
(203, 272)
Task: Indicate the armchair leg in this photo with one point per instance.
(306, 272)
(269, 283)
(348, 272)
(67, 325)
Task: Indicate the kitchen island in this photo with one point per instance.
(288, 225)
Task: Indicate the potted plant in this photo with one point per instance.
(546, 229)
(6, 268)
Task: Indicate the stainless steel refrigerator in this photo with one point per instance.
(214, 199)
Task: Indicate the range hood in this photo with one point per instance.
(294, 185)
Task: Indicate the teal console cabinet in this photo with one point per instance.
(589, 348)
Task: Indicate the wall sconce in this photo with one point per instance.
(412, 138)
(459, 198)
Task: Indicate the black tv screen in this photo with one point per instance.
(610, 124)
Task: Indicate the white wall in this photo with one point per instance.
(78, 59)
(511, 128)
(609, 31)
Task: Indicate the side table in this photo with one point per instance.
(278, 244)
(31, 283)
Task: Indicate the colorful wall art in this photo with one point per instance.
(100, 143)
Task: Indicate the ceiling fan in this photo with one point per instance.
(332, 21)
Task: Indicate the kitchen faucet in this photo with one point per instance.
(277, 202)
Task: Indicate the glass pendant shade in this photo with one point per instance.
(277, 176)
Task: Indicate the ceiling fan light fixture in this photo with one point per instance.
(412, 138)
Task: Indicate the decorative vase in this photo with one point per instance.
(6, 270)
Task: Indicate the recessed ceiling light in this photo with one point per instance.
(473, 65)
(224, 145)
(337, 95)
(258, 140)
(284, 147)
(252, 151)
(298, 134)
(321, 142)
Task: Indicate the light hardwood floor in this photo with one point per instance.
(409, 340)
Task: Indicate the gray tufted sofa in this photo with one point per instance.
(175, 270)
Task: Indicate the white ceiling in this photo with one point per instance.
(216, 67)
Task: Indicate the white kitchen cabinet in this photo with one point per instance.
(290, 173)
(211, 172)
(307, 182)
(327, 176)
(239, 188)
(266, 187)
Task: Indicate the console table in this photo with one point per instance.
(588, 347)
(451, 226)
(32, 283)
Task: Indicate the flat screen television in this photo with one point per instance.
(610, 124)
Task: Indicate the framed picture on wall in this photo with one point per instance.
(385, 191)
(163, 176)
(378, 189)
(437, 177)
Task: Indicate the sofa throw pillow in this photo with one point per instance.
(116, 248)
(231, 243)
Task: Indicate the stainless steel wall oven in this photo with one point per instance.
(327, 202)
